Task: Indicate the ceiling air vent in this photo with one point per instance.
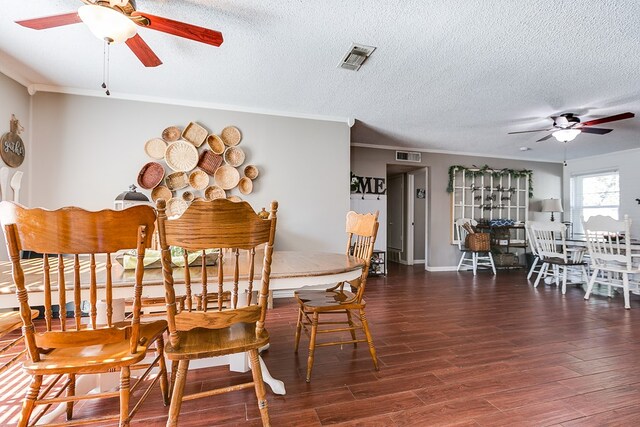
(356, 56)
(408, 156)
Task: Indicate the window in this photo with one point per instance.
(594, 194)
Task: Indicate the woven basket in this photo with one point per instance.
(226, 177)
(231, 136)
(251, 171)
(215, 143)
(478, 242)
(176, 207)
(155, 148)
(199, 180)
(177, 180)
(209, 161)
(181, 156)
(188, 196)
(150, 175)
(171, 134)
(161, 192)
(234, 156)
(214, 192)
(245, 185)
(195, 134)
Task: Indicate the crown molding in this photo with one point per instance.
(183, 102)
(17, 77)
(455, 153)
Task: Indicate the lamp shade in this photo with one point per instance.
(107, 24)
(552, 205)
(566, 135)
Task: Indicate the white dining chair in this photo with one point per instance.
(477, 258)
(612, 262)
(550, 242)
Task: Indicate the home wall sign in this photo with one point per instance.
(12, 149)
(368, 185)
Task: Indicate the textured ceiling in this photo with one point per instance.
(452, 75)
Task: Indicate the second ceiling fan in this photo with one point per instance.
(117, 21)
(568, 125)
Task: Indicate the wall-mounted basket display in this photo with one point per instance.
(215, 143)
(161, 192)
(209, 162)
(199, 179)
(245, 185)
(227, 177)
(155, 148)
(251, 171)
(214, 192)
(234, 156)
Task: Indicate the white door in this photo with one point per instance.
(395, 210)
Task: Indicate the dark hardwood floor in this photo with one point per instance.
(454, 350)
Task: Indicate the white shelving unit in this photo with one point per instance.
(487, 197)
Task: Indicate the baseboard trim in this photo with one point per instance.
(436, 269)
(418, 261)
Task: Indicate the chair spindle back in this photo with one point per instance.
(362, 230)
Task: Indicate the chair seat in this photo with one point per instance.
(199, 343)
(96, 358)
(560, 261)
(11, 321)
(319, 300)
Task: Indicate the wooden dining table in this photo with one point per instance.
(290, 270)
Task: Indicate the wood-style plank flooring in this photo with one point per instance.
(454, 350)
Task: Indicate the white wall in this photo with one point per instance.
(87, 150)
(15, 100)
(628, 165)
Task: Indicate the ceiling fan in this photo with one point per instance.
(568, 125)
(116, 21)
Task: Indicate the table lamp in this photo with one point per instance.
(552, 205)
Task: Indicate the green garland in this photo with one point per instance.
(496, 173)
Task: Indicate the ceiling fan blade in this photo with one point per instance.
(545, 138)
(609, 119)
(142, 50)
(528, 131)
(45, 22)
(181, 29)
(597, 131)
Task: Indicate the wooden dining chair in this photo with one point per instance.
(231, 326)
(341, 308)
(78, 245)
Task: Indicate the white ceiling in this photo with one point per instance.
(452, 75)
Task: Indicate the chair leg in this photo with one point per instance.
(533, 267)
(258, 383)
(125, 382)
(71, 391)
(474, 257)
(367, 332)
(312, 344)
(564, 279)
(177, 393)
(29, 401)
(172, 378)
(591, 282)
(353, 331)
(493, 266)
(625, 289)
(164, 383)
(541, 273)
(298, 329)
(464, 254)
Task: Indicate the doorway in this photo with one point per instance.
(407, 213)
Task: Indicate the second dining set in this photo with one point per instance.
(607, 251)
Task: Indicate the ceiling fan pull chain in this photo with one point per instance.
(105, 66)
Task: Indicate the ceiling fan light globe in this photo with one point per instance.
(566, 135)
(107, 24)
